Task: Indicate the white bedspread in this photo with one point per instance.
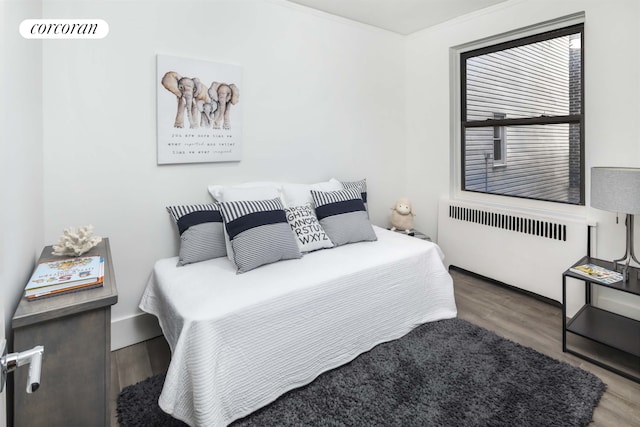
(240, 341)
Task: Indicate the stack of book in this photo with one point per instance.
(597, 273)
(65, 275)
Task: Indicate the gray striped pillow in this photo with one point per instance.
(259, 233)
(343, 216)
(357, 185)
(201, 232)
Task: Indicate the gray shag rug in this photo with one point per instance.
(445, 373)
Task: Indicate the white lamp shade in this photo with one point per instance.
(616, 189)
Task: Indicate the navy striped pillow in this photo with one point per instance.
(201, 232)
(357, 185)
(343, 216)
(259, 233)
(330, 203)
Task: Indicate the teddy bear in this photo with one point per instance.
(402, 215)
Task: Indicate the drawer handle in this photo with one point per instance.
(11, 362)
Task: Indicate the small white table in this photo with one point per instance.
(415, 233)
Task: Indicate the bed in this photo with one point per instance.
(239, 341)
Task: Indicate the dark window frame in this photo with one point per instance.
(541, 120)
(499, 142)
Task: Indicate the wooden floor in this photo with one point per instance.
(511, 314)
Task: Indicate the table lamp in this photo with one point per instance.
(617, 189)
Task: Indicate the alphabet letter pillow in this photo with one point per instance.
(201, 232)
(309, 234)
(259, 233)
(343, 216)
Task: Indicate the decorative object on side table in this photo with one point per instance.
(402, 215)
(595, 272)
(617, 189)
(62, 276)
(76, 243)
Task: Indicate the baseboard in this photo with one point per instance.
(508, 286)
(133, 329)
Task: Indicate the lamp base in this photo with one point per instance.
(629, 253)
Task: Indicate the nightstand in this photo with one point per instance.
(75, 330)
(414, 233)
(599, 325)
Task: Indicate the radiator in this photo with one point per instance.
(523, 250)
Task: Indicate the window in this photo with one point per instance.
(522, 127)
(499, 143)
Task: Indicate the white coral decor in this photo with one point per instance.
(76, 243)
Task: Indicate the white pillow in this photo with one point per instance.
(236, 194)
(331, 185)
(216, 190)
(300, 194)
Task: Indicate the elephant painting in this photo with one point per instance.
(225, 95)
(192, 96)
(206, 124)
(207, 113)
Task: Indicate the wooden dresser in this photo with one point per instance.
(75, 330)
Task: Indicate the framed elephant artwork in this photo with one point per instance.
(199, 111)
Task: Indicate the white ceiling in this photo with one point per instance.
(400, 16)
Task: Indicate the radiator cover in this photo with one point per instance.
(527, 251)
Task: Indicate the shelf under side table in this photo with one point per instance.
(607, 328)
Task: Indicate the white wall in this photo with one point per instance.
(612, 102)
(21, 189)
(321, 97)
